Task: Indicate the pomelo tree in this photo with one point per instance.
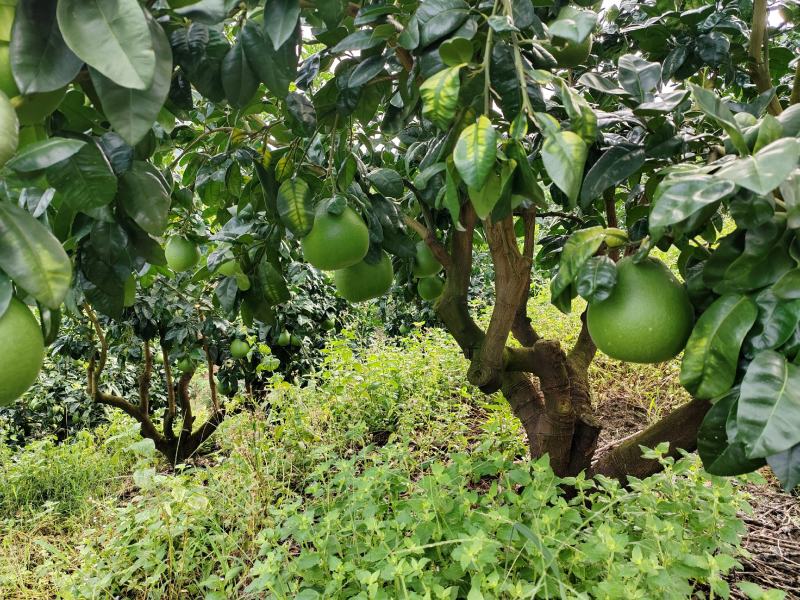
(571, 140)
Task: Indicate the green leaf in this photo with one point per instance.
(573, 25)
(769, 130)
(495, 189)
(280, 20)
(33, 257)
(475, 152)
(452, 199)
(132, 112)
(769, 405)
(597, 278)
(786, 466)
(144, 198)
(708, 368)
(209, 12)
(639, 77)
(440, 96)
(777, 320)
(456, 51)
(662, 104)
(387, 181)
(84, 180)
(40, 155)
(112, 36)
(678, 199)
(564, 154)
(601, 84)
(580, 247)
(582, 119)
(276, 68)
(6, 292)
(721, 456)
(238, 79)
(366, 70)
(790, 190)
(616, 165)
(40, 60)
(294, 206)
(437, 18)
(788, 286)
(767, 169)
(713, 106)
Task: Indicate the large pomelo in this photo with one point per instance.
(181, 254)
(648, 316)
(21, 351)
(336, 241)
(363, 280)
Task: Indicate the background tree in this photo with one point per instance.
(360, 130)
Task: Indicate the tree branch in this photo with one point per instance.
(172, 410)
(438, 249)
(212, 384)
(759, 59)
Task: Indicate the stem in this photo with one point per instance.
(487, 59)
(759, 59)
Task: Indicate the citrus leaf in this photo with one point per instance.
(387, 181)
(769, 405)
(579, 248)
(238, 79)
(713, 106)
(678, 199)
(767, 169)
(40, 155)
(786, 466)
(564, 154)
(788, 286)
(709, 361)
(144, 198)
(776, 322)
(132, 111)
(112, 36)
(33, 257)
(597, 278)
(440, 96)
(719, 455)
(280, 20)
(639, 77)
(276, 68)
(40, 59)
(617, 164)
(84, 180)
(294, 206)
(790, 190)
(475, 152)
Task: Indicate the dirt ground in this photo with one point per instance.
(773, 536)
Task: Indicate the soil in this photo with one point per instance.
(773, 528)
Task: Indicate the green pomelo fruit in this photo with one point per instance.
(430, 288)
(336, 241)
(363, 280)
(21, 351)
(9, 130)
(239, 348)
(181, 254)
(425, 263)
(648, 316)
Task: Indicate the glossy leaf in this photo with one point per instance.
(440, 96)
(387, 181)
(276, 68)
(788, 286)
(713, 106)
(596, 279)
(678, 199)
(295, 207)
(238, 79)
(40, 155)
(132, 112)
(617, 164)
(33, 257)
(40, 59)
(84, 180)
(708, 368)
(767, 169)
(786, 466)
(564, 154)
(475, 152)
(790, 190)
(579, 248)
(720, 455)
(144, 198)
(6, 292)
(639, 77)
(777, 320)
(769, 405)
(112, 36)
(280, 20)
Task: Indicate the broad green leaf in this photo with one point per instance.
(144, 198)
(564, 154)
(777, 320)
(452, 199)
(677, 199)
(475, 152)
(769, 130)
(33, 257)
(238, 79)
(573, 25)
(280, 20)
(601, 83)
(437, 18)
(276, 68)
(582, 119)
(272, 283)
(639, 77)
(720, 455)
(767, 169)
(769, 405)
(132, 112)
(495, 188)
(790, 190)
(456, 51)
(597, 278)
(294, 206)
(440, 96)
(302, 117)
(788, 286)
(708, 368)
(786, 466)
(367, 70)
(40, 155)
(713, 106)
(662, 104)
(40, 59)
(6, 292)
(580, 247)
(9, 130)
(617, 164)
(209, 12)
(84, 180)
(112, 36)
(387, 181)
